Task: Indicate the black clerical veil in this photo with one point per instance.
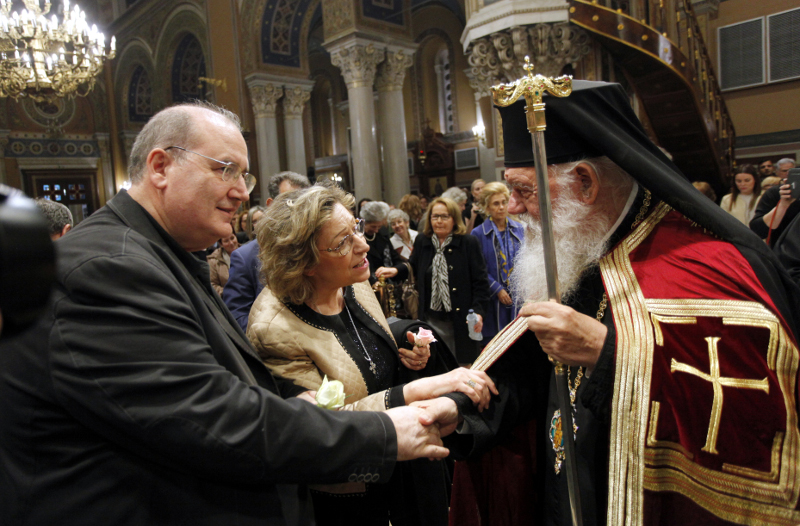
(597, 120)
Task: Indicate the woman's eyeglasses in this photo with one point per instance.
(346, 244)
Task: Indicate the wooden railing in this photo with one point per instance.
(658, 43)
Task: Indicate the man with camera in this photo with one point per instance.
(138, 400)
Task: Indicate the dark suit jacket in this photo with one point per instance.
(244, 282)
(138, 401)
(469, 286)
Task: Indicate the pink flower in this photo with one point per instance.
(423, 337)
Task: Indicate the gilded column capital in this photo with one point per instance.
(392, 71)
(264, 97)
(484, 71)
(357, 63)
(294, 102)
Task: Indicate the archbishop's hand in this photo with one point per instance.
(475, 384)
(565, 334)
(444, 411)
(417, 437)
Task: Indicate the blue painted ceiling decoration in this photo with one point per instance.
(390, 11)
(452, 5)
(280, 32)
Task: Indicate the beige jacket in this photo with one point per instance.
(296, 350)
(299, 351)
(219, 268)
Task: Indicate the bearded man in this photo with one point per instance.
(679, 328)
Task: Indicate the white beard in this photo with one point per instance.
(580, 240)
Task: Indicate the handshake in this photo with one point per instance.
(421, 425)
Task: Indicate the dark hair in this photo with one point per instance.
(746, 169)
(297, 180)
(58, 216)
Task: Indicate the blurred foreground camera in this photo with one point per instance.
(27, 262)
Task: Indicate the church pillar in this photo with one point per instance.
(109, 184)
(357, 59)
(295, 97)
(264, 97)
(3, 143)
(394, 146)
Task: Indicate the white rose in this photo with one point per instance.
(330, 394)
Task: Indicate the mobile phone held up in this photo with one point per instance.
(793, 179)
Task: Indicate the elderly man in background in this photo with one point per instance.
(58, 217)
(244, 285)
(670, 306)
(137, 400)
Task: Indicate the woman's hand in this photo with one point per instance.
(479, 323)
(475, 384)
(388, 272)
(504, 297)
(308, 396)
(786, 195)
(417, 357)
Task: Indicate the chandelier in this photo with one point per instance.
(45, 60)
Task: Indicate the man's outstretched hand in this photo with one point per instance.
(417, 436)
(443, 411)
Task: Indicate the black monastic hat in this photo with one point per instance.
(597, 119)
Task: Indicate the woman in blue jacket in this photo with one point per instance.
(500, 238)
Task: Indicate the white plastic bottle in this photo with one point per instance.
(472, 318)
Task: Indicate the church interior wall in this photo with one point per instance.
(760, 110)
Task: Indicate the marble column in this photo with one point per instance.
(295, 98)
(264, 97)
(3, 143)
(389, 82)
(358, 59)
(109, 184)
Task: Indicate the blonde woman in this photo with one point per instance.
(500, 238)
(318, 316)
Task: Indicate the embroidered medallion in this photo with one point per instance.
(557, 437)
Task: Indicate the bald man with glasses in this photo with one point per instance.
(137, 400)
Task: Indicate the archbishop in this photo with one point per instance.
(679, 327)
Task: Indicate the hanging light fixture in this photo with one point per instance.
(45, 59)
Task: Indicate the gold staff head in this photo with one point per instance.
(532, 87)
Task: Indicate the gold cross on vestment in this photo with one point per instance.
(717, 382)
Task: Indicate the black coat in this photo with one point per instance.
(137, 400)
(469, 287)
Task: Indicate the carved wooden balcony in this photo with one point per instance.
(659, 46)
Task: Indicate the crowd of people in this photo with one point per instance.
(183, 369)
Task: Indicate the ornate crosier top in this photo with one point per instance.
(533, 87)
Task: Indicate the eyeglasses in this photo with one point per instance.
(230, 171)
(440, 217)
(346, 244)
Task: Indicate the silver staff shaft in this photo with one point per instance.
(546, 217)
(554, 294)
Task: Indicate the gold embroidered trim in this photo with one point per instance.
(658, 320)
(495, 348)
(732, 509)
(717, 382)
(655, 407)
(779, 488)
(772, 476)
